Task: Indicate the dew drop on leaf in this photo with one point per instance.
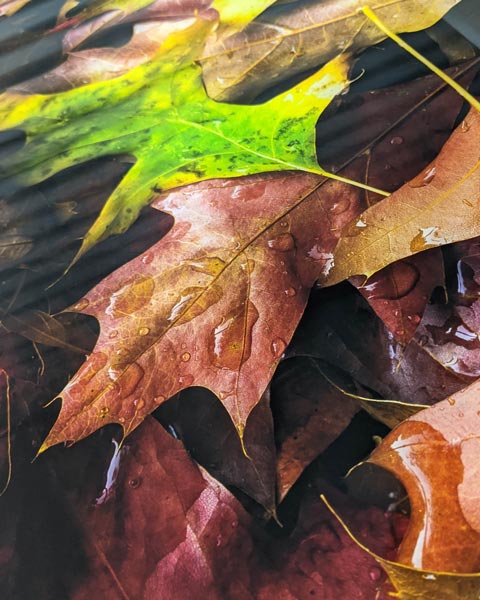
(398, 280)
(423, 178)
(278, 347)
(103, 412)
(186, 356)
(397, 140)
(340, 206)
(186, 380)
(81, 304)
(290, 292)
(131, 378)
(143, 331)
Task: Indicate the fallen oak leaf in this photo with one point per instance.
(212, 304)
(434, 454)
(40, 328)
(409, 125)
(200, 138)
(439, 206)
(309, 414)
(288, 40)
(101, 64)
(197, 418)
(340, 328)
(104, 15)
(389, 412)
(208, 544)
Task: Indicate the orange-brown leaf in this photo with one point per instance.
(435, 455)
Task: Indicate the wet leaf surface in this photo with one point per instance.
(287, 40)
(208, 311)
(240, 332)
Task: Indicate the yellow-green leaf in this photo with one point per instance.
(159, 113)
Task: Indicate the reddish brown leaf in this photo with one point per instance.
(197, 418)
(309, 414)
(169, 530)
(340, 328)
(399, 293)
(213, 304)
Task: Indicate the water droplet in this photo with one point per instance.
(139, 403)
(278, 347)
(468, 203)
(187, 307)
(147, 258)
(186, 356)
(113, 334)
(135, 482)
(143, 331)
(231, 343)
(290, 292)
(464, 126)
(131, 297)
(91, 367)
(159, 399)
(81, 304)
(397, 140)
(360, 223)
(427, 237)
(103, 412)
(250, 265)
(130, 379)
(186, 380)
(219, 540)
(451, 401)
(325, 259)
(454, 331)
(423, 178)
(234, 524)
(375, 573)
(397, 281)
(340, 206)
(282, 243)
(283, 223)
(209, 265)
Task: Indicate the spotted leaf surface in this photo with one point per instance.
(159, 113)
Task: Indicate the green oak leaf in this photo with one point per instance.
(160, 114)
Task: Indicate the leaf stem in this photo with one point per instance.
(357, 184)
(370, 14)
